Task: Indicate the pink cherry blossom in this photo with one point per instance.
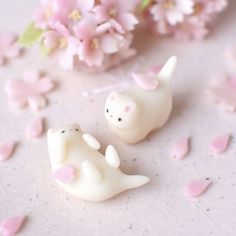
(67, 59)
(77, 9)
(207, 10)
(94, 42)
(172, 11)
(50, 12)
(119, 11)
(29, 90)
(190, 28)
(223, 92)
(57, 37)
(8, 47)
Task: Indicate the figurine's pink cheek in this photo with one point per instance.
(127, 109)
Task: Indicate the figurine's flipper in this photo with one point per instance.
(167, 70)
(91, 172)
(112, 157)
(91, 141)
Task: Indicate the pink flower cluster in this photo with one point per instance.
(94, 33)
(183, 19)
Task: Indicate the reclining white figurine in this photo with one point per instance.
(146, 106)
(82, 170)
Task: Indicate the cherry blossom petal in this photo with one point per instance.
(109, 45)
(180, 150)
(219, 144)
(45, 85)
(6, 150)
(196, 188)
(128, 21)
(11, 226)
(100, 13)
(35, 128)
(36, 102)
(51, 39)
(145, 82)
(65, 174)
(85, 6)
(31, 76)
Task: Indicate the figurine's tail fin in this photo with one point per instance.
(134, 181)
(168, 69)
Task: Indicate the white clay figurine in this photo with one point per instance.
(82, 170)
(142, 108)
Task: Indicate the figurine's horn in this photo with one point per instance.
(168, 69)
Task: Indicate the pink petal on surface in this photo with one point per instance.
(180, 150)
(11, 226)
(45, 85)
(35, 128)
(145, 82)
(196, 188)
(219, 144)
(6, 150)
(65, 174)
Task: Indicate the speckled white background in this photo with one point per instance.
(158, 208)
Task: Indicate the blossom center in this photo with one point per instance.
(112, 12)
(198, 7)
(169, 4)
(75, 15)
(95, 43)
(62, 43)
(49, 12)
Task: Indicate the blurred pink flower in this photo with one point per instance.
(29, 90)
(57, 37)
(8, 48)
(173, 11)
(49, 12)
(191, 28)
(207, 10)
(120, 11)
(223, 92)
(95, 42)
(75, 10)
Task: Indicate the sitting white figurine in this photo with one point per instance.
(146, 106)
(82, 170)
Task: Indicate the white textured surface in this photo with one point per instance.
(159, 208)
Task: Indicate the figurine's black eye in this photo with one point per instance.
(107, 110)
(77, 130)
(119, 119)
(63, 131)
